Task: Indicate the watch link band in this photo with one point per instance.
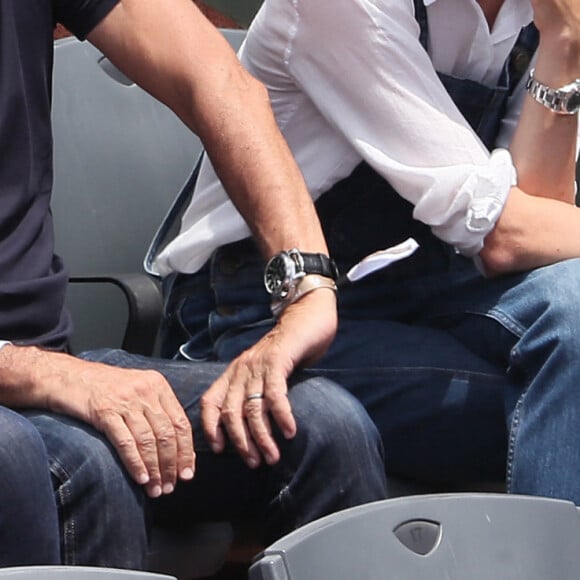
(563, 101)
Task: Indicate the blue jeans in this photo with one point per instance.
(334, 462)
(466, 378)
(101, 511)
(28, 516)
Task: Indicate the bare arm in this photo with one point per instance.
(544, 144)
(539, 223)
(173, 52)
(178, 56)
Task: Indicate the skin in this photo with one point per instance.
(539, 222)
(180, 58)
(538, 226)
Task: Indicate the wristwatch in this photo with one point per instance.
(285, 270)
(564, 101)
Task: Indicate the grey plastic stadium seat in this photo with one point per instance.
(121, 157)
(77, 572)
(433, 537)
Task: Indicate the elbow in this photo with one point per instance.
(501, 253)
(496, 260)
(504, 247)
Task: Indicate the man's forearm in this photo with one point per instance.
(18, 387)
(182, 59)
(544, 144)
(539, 223)
(532, 231)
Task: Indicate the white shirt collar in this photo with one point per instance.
(519, 11)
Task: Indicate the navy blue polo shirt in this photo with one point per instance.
(32, 278)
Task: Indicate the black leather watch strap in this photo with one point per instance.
(320, 264)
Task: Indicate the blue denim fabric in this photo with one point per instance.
(335, 461)
(528, 324)
(465, 377)
(28, 516)
(101, 511)
(438, 406)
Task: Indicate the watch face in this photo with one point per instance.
(275, 275)
(573, 104)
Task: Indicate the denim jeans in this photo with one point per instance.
(333, 462)
(466, 378)
(475, 375)
(101, 511)
(28, 516)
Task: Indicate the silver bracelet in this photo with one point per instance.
(307, 284)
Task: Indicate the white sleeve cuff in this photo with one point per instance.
(489, 190)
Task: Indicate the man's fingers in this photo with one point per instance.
(116, 430)
(255, 412)
(233, 418)
(183, 435)
(211, 410)
(154, 448)
(165, 448)
(279, 405)
(240, 438)
(143, 431)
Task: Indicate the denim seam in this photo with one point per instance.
(329, 372)
(518, 330)
(67, 522)
(513, 435)
(508, 322)
(179, 316)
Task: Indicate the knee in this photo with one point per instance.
(333, 423)
(337, 447)
(557, 299)
(80, 457)
(23, 455)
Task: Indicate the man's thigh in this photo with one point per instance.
(491, 315)
(439, 407)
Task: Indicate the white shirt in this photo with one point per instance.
(350, 81)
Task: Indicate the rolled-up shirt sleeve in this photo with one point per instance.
(362, 65)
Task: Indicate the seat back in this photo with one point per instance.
(120, 158)
(433, 537)
(77, 573)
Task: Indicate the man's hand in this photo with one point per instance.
(140, 415)
(304, 332)
(136, 409)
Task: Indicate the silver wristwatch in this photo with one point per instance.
(564, 101)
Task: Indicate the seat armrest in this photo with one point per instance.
(145, 307)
